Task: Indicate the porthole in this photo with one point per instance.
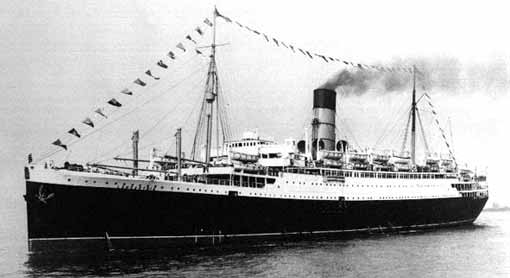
(68, 179)
(94, 182)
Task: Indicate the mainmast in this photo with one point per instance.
(413, 121)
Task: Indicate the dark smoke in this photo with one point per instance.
(444, 73)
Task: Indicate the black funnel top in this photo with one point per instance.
(324, 98)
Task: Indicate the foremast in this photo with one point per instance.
(208, 113)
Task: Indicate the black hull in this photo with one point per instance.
(75, 213)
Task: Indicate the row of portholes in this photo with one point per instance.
(147, 187)
(292, 196)
(199, 190)
(139, 187)
(358, 185)
(392, 198)
(133, 186)
(312, 183)
(126, 186)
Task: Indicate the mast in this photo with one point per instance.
(211, 93)
(135, 138)
(178, 141)
(211, 103)
(413, 121)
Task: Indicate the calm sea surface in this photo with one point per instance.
(482, 250)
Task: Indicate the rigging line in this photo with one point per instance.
(218, 122)
(193, 109)
(405, 135)
(224, 99)
(115, 111)
(225, 123)
(344, 121)
(436, 118)
(197, 139)
(351, 134)
(388, 127)
(422, 131)
(200, 120)
(222, 112)
(451, 133)
(123, 115)
(163, 118)
(146, 132)
(101, 135)
(348, 130)
(391, 130)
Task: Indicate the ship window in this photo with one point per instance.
(106, 182)
(68, 179)
(86, 181)
(94, 181)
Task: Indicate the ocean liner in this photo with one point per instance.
(251, 188)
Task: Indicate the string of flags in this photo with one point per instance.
(191, 38)
(429, 101)
(140, 82)
(100, 112)
(312, 55)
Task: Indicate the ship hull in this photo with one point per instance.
(75, 213)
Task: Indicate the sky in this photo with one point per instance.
(60, 60)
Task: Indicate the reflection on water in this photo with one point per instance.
(473, 251)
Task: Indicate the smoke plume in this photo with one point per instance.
(446, 74)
